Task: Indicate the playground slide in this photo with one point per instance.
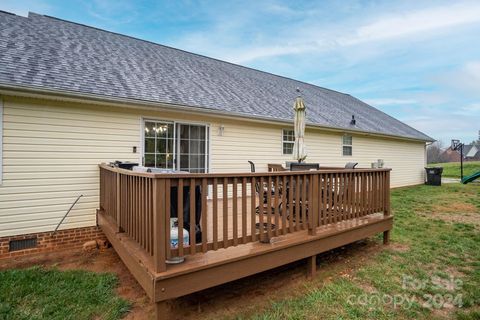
(470, 178)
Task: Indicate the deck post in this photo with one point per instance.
(314, 206)
(386, 237)
(159, 225)
(161, 310)
(117, 198)
(386, 208)
(311, 266)
(386, 211)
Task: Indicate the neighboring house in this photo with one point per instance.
(74, 96)
(471, 152)
(450, 155)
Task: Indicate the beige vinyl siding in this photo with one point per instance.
(51, 151)
(1, 140)
(262, 145)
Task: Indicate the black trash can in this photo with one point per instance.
(434, 176)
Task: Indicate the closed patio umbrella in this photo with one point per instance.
(299, 150)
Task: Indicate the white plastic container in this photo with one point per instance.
(174, 240)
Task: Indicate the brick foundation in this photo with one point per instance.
(47, 241)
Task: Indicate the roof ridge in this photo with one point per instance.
(188, 52)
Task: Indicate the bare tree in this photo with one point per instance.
(477, 142)
(434, 152)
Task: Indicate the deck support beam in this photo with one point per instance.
(311, 266)
(206, 276)
(386, 237)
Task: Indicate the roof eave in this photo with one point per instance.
(64, 95)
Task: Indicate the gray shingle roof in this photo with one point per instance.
(466, 148)
(49, 53)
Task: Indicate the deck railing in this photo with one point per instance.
(232, 209)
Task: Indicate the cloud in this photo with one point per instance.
(314, 34)
(442, 125)
(466, 79)
(472, 110)
(462, 82)
(415, 23)
(112, 12)
(473, 107)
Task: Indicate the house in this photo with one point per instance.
(74, 96)
(471, 152)
(450, 155)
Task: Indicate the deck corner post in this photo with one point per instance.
(311, 266)
(159, 225)
(386, 207)
(386, 237)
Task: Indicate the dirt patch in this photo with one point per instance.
(461, 207)
(455, 212)
(248, 295)
(399, 247)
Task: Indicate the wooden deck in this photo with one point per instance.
(334, 208)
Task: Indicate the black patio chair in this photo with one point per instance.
(252, 166)
(351, 165)
(264, 190)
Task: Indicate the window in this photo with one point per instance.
(176, 146)
(159, 139)
(288, 139)
(347, 145)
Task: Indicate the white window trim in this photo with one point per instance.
(142, 143)
(347, 145)
(1, 141)
(284, 141)
(166, 120)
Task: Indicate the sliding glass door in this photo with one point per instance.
(192, 147)
(176, 146)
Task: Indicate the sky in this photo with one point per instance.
(418, 61)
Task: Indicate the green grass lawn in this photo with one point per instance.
(38, 293)
(452, 169)
(431, 270)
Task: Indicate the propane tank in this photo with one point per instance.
(174, 240)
